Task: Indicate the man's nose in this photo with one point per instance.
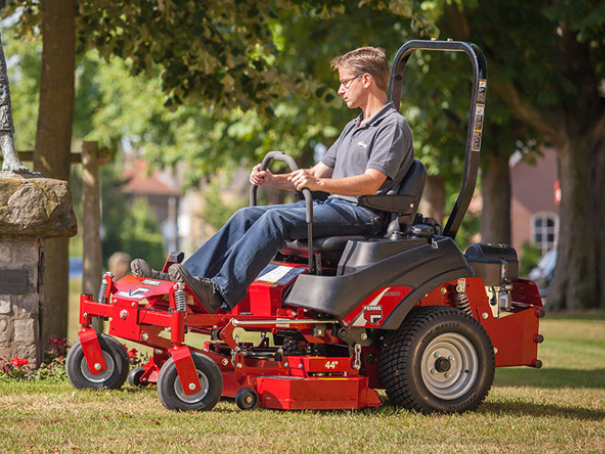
(341, 90)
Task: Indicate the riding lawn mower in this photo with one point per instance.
(337, 318)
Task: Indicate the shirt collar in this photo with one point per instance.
(377, 117)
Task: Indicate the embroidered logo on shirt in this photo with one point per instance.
(362, 144)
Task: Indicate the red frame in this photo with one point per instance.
(294, 382)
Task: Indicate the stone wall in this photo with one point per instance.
(20, 312)
(30, 209)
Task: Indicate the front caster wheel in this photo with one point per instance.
(134, 377)
(246, 399)
(171, 391)
(440, 359)
(116, 359)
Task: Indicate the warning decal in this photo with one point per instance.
(482, 91)
(478, 127)
(279, 274)
(476, 145)
(479, 115)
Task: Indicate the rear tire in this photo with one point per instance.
(171, 392)
(440, 360)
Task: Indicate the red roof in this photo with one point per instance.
(140, 181)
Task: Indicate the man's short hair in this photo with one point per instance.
(371, 60)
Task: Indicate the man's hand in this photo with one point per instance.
(303, 178)
(260, 177)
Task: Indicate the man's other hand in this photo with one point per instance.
(303, 178)
(260, 177)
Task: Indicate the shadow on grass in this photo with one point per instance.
(551, 377)
(538, 410)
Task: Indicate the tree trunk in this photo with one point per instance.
(433, 198)
(580, 272)
(53, 144)
(496, 193)
(92, 262)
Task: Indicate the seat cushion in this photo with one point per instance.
(330, 247)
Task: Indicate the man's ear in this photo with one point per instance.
(366, 80)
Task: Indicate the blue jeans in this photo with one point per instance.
(235, 255)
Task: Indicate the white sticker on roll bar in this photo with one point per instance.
(479, 114)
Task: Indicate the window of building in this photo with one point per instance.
(545, 231)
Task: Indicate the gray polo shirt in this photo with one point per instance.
(384, 143)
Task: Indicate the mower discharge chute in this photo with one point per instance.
(337, 317)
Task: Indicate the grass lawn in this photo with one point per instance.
(560, 408)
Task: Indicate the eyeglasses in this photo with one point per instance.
(347, 82)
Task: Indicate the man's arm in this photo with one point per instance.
(282, 181)
(359, 185)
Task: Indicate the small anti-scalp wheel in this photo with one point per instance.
(134, 377)
(116, 359)
(171, 391)
(441, 359)
(246, 399)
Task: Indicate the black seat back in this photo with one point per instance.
(402, 203)
(413, 182)
(412, 185)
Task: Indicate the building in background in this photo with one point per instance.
(162, 192)
(534, 210)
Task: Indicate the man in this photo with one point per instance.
(371, 156)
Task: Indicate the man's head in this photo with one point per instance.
(360, 71)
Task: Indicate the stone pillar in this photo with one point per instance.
(31, 208)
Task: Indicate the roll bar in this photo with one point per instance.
(476, 114)
(281, 156)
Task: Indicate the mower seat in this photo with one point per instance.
(399, 208)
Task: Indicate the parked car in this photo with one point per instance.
(543, 272)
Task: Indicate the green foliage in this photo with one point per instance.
(530, 256)
(471, 223)
(220, 52)
(52, 369)
(217, 210)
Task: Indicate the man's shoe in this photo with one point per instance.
(204, 289)
(141, 268)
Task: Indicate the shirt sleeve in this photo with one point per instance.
(329, 158)
(387, 152)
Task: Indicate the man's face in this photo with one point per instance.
(351, 88)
